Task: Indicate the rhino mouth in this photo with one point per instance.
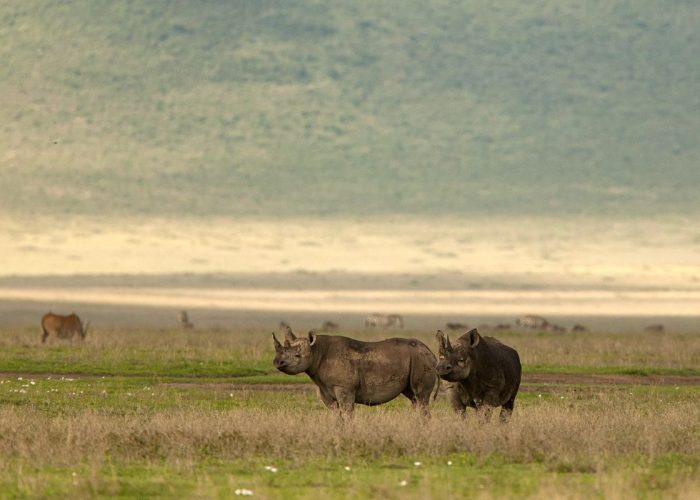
(449, 377)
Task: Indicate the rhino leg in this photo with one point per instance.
(456, 401)
(484, 412)
(419, 403)
(506, 411)
(328, 400)
(345, 399)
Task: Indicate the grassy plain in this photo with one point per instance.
(161, 413)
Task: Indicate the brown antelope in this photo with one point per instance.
(62, 327)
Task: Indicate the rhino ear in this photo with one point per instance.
(474, 337)
(312, 338)
(278, 346)
(289, 336)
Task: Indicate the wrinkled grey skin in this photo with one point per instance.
(349, 371)
(484, 373)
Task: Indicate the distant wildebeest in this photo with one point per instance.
(502, 326)
(531, 321)
(579, 328)
(456, 326)
(62, 327)
(349, 371)
(498, 327)
(184, 321)
(551, 327)
(654, 328)
(484, 373)
(329, 326)
(383, 321)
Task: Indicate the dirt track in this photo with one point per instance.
(528, 380)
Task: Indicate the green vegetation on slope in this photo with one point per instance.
(271, 107)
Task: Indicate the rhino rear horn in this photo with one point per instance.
(289, 336)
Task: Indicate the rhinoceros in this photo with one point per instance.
(349, 371)
(484, 373)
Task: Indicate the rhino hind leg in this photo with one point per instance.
(419, 402)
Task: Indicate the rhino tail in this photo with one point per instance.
(436, 391)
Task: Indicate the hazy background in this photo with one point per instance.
(427, 145)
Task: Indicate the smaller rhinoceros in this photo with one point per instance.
(484, 373)
(349, 371)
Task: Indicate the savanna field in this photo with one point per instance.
(203, 414)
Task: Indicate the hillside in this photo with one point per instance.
(280, 108)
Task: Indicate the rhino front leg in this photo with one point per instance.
(345, 398)
(484, 412)
(327, 398)
(456, 399)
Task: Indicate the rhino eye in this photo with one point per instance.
(297, 355)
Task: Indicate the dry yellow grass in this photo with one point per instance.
(576, 436)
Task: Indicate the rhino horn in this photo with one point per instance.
(278, 346)
(443, 340)
(289, 336)
(312, 338)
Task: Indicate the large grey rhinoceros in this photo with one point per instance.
(484, 373)
(349, 371)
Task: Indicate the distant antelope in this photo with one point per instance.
(579, 328)
(654, 328)
(184, 321)
(62, 327)
(383, 321)
(531, 321)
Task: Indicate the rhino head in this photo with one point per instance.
(296, 354)
(455, 362)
